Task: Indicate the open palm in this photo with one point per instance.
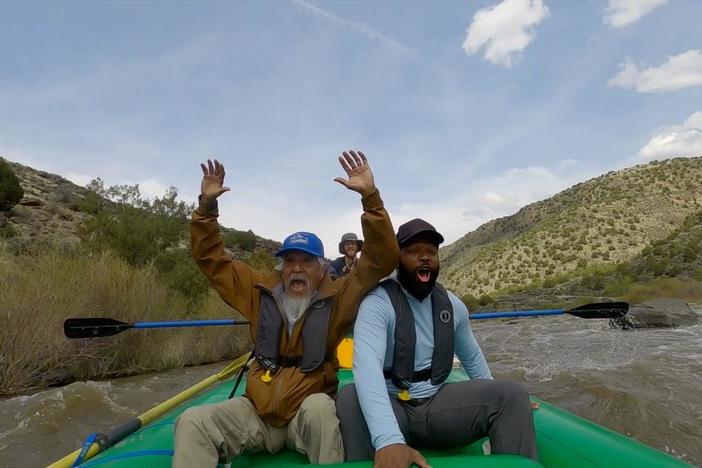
(212, 185)
(360, 175)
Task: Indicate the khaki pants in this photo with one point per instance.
(225, 430)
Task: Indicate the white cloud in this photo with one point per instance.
(504, 30)
(358, 27)
(491, 198)
(150, 188)
(275, 214)
(676, 141)
(680, 71)
(625, 12)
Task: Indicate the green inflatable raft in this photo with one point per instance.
(564, 440)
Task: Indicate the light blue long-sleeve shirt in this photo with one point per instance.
(374, 343)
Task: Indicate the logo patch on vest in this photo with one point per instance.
(444, 316)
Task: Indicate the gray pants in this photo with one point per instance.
(459, 413)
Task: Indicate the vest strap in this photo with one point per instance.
(418, 376)
(290, 361)
(296, 361)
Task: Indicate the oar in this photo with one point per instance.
(121, 432)
(93, 327)
(597, 310)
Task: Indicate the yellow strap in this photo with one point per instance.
(404, 395)
(267, 376)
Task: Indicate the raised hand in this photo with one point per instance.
(360, 175)
(212, 185)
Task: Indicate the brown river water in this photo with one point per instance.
(645, 383)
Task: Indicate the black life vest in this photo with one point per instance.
(402, 372)
(314, 335)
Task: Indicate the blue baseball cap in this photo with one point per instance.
(302, 242)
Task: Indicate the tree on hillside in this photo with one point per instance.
(143, 232)
(10, 190)
(138, 229)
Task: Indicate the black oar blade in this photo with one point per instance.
(92, 327)
(600, 310)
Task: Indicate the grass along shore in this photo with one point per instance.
(39, 290)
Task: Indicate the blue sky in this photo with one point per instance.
(467, 111)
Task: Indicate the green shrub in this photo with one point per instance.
(549, 283)
(595, 281)
(10, 190)
(486, 299)
(470, 301)
(260, 259)
(144, 232)
(619, 285)
(245, 240)
(7, 232)
(179, 271)
(137, 229)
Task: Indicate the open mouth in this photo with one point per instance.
(423, 274)
(298, 285)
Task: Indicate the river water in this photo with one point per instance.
(645, 383)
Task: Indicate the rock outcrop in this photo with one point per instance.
(657, 313)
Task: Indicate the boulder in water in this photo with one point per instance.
(657, 313)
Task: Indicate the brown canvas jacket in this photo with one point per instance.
(240, 286)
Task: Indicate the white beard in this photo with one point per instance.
(293, 308)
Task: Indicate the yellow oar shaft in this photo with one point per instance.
(159, 410)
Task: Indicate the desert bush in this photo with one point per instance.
(144, 232)
(10, 190)
(260, 259)
(595, 281)
(137, 229)
(486, 299)
(7, 232)
(618, 285)
(470, 301)
(245, 240)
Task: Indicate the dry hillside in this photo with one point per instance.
(609, 219)
(53, 209)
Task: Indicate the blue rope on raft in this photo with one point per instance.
(141, 453)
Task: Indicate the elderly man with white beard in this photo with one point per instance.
(298, 317)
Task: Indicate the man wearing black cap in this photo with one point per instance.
(406, 334)
(349, 246)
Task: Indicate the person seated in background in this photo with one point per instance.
(405, 337)
(348, 248)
